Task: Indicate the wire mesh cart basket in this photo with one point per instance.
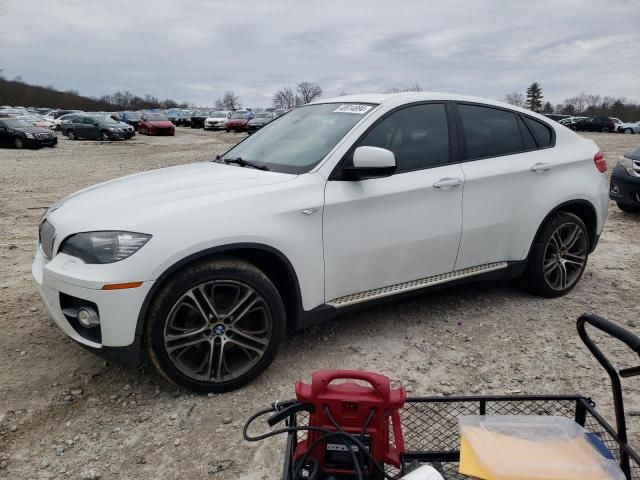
(430, 424)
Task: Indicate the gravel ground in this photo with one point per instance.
(65, 413)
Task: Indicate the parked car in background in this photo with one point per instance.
(595, 124)
(183, 119)
(259, 121)
(238, 121)
(171, 114)
(625, 182)
(206, 266)
(198, 117)
(131, 118)
(568, 122)
(217, 120)
(556, 116)
(38, 121)
(155, 124)
(18, 133)
(280, 111)
(629, 127)
(98, 127)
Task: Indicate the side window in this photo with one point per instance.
(418, 136)
(540, 131)
(88, 120)
(490, 132)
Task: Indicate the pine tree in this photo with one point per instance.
(534, 97)
(548, 108)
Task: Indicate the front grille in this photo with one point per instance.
(636, 167)
(47, 235)
(43, 136)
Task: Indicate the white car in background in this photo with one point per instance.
(340, 202)
(217, 120)
(629, 127)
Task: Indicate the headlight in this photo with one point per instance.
(627, 163)
(29, 135)
(113, 129)
(104, 247)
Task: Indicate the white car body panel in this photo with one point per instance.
(340, 237)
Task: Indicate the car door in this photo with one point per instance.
(380, 232)
(505, 170)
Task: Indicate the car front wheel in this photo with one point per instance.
(18, 143)
(215, 326)
(559, 256)
(104, 136)
(628, 131)
(71, 135)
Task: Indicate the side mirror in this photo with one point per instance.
(370, 162)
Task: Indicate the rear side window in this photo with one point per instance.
(527, 137)
(417, 135)
(540, 131)
(490, 132)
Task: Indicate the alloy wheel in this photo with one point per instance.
(565, 256)
(218, 331)
(104, 136)
(71, 135)
(17, 142)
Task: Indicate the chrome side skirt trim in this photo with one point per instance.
(415, 284)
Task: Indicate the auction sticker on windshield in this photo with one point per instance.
(353, 108)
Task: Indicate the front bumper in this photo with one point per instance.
(40, 142)
(63, 277)
(624, 188)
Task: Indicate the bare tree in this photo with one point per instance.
(415, 87)
(284, 98)
(229, 101)
(515, 98)
(307, 92)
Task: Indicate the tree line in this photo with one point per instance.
(583, 105)
(17, 92)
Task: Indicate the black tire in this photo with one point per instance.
(605, 130)
(628, 131)
(628, 208)
(71, 135)
(165, 312)
(104, 136)
(18, 143)
(543, 255)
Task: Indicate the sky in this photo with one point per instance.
(196, 50)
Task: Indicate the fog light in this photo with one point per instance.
(88, 317)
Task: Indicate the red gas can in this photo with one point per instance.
(363, 411)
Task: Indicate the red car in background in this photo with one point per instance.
(238, 121)
(155, 124)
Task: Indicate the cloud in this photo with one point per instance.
(193, 50)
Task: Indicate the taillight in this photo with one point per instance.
(600, 162)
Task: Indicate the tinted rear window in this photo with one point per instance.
(490, 132)
(540, 131)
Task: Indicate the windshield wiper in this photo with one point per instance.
(244, 163)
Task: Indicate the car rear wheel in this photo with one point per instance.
(628, 208)
(104, 136)
(628, 131)
(71, 135)
(18, 143)
(215, 326)
(605, 129)
(559, 256)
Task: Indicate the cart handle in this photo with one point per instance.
(633, 342)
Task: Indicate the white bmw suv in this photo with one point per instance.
(337, 203)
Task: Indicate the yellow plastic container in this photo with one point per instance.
(505, 447)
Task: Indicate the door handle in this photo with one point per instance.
(541, 167)
(446, 183)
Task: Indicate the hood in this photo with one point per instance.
(33, 129)
(125, 202)
(238, 120)
(160, 123)
(260, 121)
(123, 125)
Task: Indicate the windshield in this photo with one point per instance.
(155, 116)
(263, 115)
(218, 114)
(297, 141)
(16, 123)
(240, 115)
